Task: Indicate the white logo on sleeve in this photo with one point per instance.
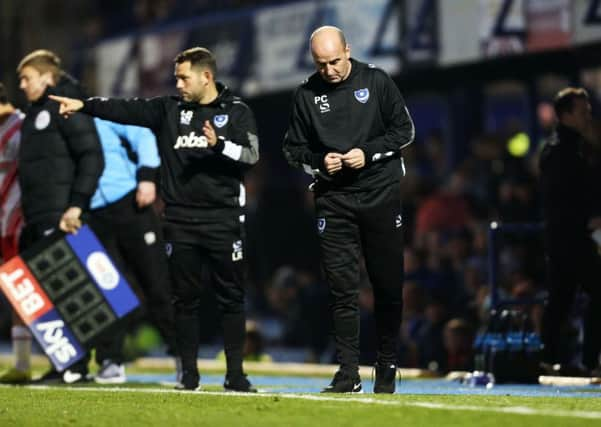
(150, 237)
(321, 225)
(42, 120)
(191, 141)
(237, 253)
(322, 102)
(398, 221)
(185, 117)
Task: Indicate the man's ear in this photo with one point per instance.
(48, 78)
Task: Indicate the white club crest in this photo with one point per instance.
(362, 95)
(42, 120)
(321, 225)
(220, 120)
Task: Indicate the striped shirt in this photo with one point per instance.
(11, 219)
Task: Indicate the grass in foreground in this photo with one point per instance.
(21, 406)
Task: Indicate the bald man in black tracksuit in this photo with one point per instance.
(348, 126)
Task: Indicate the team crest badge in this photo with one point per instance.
(220, 120)
(321, 225)
(362, 95)
(42, 120)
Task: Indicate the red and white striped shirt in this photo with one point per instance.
(11, 218)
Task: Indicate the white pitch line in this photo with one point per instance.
(516, 410)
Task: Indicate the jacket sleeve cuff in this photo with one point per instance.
(317, 161)
(146, 173)
(220, 145)
(368, 152)
(80, 200)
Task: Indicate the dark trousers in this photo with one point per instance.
(572, 264)
(366, 222)
(133, 238)
(216, 249)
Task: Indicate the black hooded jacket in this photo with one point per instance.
(198, 183)
(365, 111)
(60, 160)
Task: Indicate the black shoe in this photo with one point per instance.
(75, 377)
(385, 378)
(189, 381)
(68, 376)
(238, 383)
(564, 370)
(344, 383)
(51, 376)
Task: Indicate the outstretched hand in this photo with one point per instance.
(68, 106)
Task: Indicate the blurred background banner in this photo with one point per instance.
(549, 24)
(260, 50)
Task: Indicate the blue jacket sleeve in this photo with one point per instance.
(143, 142)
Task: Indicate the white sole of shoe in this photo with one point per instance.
(120, 380)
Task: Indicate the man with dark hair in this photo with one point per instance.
(11, 222)
(207, 138)
(571, 212)
(60, 161)
(348, 126)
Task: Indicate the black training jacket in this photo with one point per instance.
(364, 111)
(198, 183)
(60, 160)
(569, 189)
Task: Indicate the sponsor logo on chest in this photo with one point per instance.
(191, 141)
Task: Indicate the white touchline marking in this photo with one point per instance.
(517, 410)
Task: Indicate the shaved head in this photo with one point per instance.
(329, 33)
(331, 53)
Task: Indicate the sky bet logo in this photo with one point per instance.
(56, 342)
(191, 141)
(23, 291)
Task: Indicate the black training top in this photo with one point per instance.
(198, 183)
(364, 111)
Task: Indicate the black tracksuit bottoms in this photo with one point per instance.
(367, 222)
(217, 249)
(572, 264)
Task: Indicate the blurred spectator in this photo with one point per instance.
(458, 344)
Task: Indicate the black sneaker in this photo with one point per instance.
(52, 376)
(75, 377)
(344, 383)
(189, 381)
(238, 383)
(385, 378)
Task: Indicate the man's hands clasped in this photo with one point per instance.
(354, 159)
